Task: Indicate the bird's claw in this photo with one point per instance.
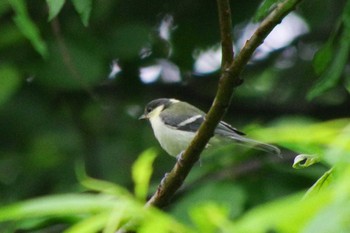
(180, 158)
(164, 179)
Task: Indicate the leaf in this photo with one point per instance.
(304, 160)
(347, 83)
(9, 83)
(142, 171)
(232, 197)
(90, 225)
(55, 7)
(83, 7)
(323, 58)
(264, 9)
(58, 205)
(321, 183)
(27, 27)
(101, 186)
(209, 217)
(332, 75)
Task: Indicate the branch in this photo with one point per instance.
(225, 31)
(228, 81)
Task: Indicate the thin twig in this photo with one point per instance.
(68, 61)
(226, 33)
(228, 81)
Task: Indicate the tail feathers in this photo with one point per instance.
(258, 145)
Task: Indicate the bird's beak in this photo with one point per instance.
(143, 117)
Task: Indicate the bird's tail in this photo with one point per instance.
(256, 144)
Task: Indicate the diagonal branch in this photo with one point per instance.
(230, 78)
(226, 33)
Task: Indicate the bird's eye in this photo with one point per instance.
(148, 109)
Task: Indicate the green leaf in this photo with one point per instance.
(320, 184)
(209, 217)
(304, 160)
(83, 7)
(332, 75)
(90, 225)
(346, 15)
(27, 27)
(347, 83)
(9, 83)
(142, 171)
(55, 7)
(264, 9)
(232, 196)
(323, 58)
(101, 186)
(58, 205)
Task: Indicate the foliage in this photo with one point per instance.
(74, 76)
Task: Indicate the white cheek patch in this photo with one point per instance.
(156, 111)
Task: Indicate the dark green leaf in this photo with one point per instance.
(27, 27)
(322, 58)
(54, 7)
(83, 7)
(347, 83)
(264, 9)
(9, 83)
(332, 75)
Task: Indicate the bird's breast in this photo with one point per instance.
(171, 140)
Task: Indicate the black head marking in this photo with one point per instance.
(156, 103)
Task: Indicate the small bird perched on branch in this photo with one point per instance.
(175, 124)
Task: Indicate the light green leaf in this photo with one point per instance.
(209, 217)
(320, 184)
(90, 225)
(304, 160)
(287, 215)
(299, 135)
(55, 7)
(9, 83)
(58, 205)
(27, 27)
(83, 7)
(142, 171)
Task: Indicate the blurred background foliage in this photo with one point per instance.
(75, 75)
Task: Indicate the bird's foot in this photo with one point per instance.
(164, 179)
(180, 158)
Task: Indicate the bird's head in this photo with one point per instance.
(155, 107)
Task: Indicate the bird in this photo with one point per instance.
(176, 122)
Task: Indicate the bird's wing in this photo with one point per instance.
(224, 129)
(192, 123)
(184, 122)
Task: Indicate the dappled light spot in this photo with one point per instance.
(207, 61)
(165, 27)
(164, 70)
(115, 69)
(291, 27)
(150, 74)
